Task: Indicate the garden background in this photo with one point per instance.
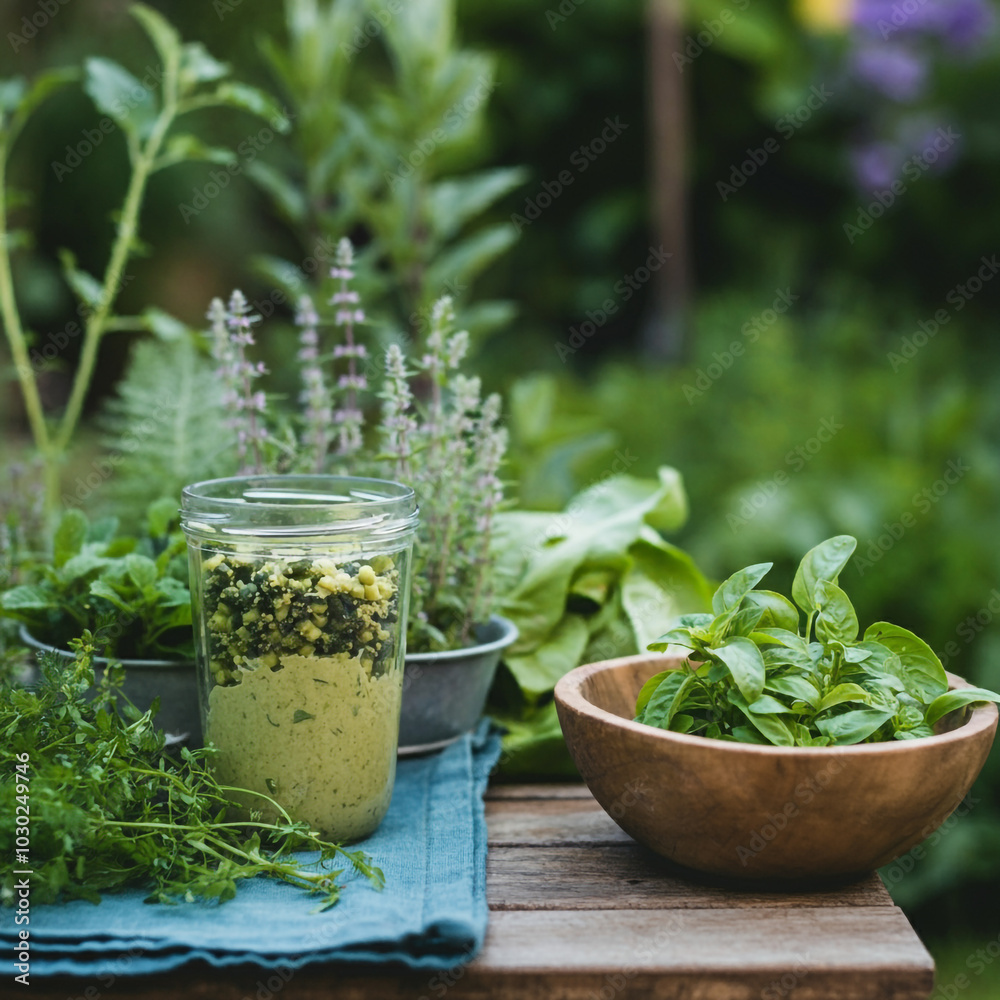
(753, 240)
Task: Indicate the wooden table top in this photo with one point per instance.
(579, 911)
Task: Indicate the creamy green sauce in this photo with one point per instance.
(317, 734)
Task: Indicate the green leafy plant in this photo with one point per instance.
(132, 592)
(757, 675)
(110, 809)
(387, 127)
(146, 113)
(594, 582)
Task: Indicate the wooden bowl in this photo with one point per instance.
(760, 812)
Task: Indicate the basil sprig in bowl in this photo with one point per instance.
(781, 744)
(763, 669)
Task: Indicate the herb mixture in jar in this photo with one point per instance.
(306, 683)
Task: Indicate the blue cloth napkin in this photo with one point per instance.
(432, 913)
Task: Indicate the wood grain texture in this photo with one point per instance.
(579, 913)
(626, 876)
(809, 953)
(541, 791)
(547, 823)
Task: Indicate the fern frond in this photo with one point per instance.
(165, 428)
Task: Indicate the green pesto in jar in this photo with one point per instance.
(305, 684)
(317, 735)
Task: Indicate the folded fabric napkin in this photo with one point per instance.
(431, 914)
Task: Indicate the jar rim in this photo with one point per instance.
(296, 505)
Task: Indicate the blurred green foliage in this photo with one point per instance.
(812, 430)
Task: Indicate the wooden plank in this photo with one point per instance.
(627, 926)
(542, 790)
(627, 876)
(808, 953)
(830, 951)
(524, 822)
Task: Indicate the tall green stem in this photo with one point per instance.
(19, 344)
(97, 322)
(54, 446)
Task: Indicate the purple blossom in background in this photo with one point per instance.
(894, 46)
(894, 70)
(876, 165)
(960, 23)
(916, 146)
(970, 22)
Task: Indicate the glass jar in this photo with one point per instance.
(299, 586)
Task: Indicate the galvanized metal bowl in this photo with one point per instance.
(444, 694)
(175, 681)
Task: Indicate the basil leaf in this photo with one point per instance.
(103, 589)
(856, 654)
(777, 657)
(745, 663)
(766, 705)
(842, 694)
(732, 591)
(747, 734)
(784, 637)
(657, 708)
(771, 727)
(25, 598)
(744, 621)
(794, 686)
(954, 700)
(695, 621)
(141, 570)
(779, 612)
(82, 565)
(855, 726)
(647, 691)
(162, 33)
(682, 723)
(837, 619)
(921, 670)
(118, 94)
(675, 637)
(916, 733)
(679, 700)
(884, 695)
(824, 562)
(199, 66)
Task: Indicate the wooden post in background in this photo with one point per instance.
(666, 326)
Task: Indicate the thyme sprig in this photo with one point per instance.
(110, 808)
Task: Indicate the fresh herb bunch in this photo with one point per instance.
(131, 592)
(437, 433)
(110, 809)
(755, 676)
